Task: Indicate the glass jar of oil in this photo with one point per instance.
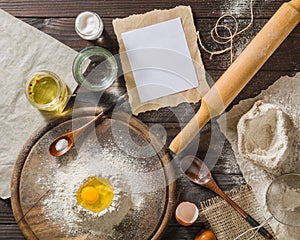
(46, 91)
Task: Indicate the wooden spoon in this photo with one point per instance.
(63, 144)
(198, 172)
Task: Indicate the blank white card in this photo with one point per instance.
(160, 60)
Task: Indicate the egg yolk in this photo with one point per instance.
(96, 194)
(89, 195)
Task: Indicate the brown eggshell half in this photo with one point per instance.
(186, 213)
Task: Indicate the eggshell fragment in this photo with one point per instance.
(186, 213)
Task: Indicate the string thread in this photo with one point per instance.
(254, 228)
(225, 39)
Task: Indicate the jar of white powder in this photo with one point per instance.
(89, 25)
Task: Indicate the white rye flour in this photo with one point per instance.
(61, 207)
(265, 136)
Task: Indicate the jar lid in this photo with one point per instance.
(89, 25)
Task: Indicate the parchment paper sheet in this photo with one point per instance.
(285, 92)
(24, 50)
(153, 17)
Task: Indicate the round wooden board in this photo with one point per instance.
(35, 163)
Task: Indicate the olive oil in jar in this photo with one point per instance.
(42, 89)
(46, 91)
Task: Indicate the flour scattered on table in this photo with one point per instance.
(230, 166)
(236, 7)
(241, 44)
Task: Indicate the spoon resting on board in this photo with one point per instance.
(198, 172)
(63, 143)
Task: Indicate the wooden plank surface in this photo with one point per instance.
(56, 18)
(201, 8)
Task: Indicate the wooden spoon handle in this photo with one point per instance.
(241, 71)
(79, 131)
(264, 232)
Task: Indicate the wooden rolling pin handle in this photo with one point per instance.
(295, 4)
(241, 71)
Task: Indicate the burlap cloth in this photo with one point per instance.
(227, 224)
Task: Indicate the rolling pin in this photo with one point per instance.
(234, 79)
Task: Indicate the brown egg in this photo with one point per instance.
(205, 235)
(186, 213)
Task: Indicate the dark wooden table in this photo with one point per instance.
(56, 18)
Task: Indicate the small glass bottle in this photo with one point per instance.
(89, 25)
(46, 91)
